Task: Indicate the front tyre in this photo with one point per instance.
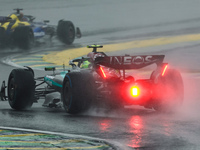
(21, 88)
(168, 92)
(78, 91)
(66, 32)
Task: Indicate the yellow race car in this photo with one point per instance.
(16, 32)
(22, 31)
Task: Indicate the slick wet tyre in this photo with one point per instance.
(21, 88)
(23, 37)
(78, 91)
(169, 91)
(66, 32)
(2, 37)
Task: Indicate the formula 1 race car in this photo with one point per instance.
(21, 30)
(106, 80)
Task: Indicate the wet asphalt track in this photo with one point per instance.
(108, 22)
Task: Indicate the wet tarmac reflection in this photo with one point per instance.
(136, 128)
(105, 125)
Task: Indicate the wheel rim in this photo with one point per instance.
(71, 33)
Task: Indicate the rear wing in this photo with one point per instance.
(129, 62)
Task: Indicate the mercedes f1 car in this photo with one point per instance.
(106, 79)
(21, 30)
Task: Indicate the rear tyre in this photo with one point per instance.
(66, 32)
(169, 91)
(78, 91)
(21, 88)
(2, 37)
(23, 37)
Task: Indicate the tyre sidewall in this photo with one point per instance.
(24, 87)
(80, 91)
(168, 91)
(23, 37)
(66, 32)
(2, 37)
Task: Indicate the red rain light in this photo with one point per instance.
(104, 75)
(165, 68)
(135, 91)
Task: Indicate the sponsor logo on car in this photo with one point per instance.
(128, 60)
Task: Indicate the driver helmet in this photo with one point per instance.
(86, 64)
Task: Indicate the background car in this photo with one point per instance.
(20, 30)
